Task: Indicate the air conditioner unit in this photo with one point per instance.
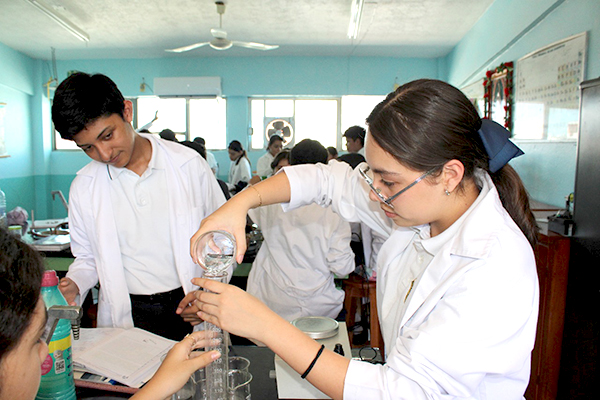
(191, 86)
(283, 127)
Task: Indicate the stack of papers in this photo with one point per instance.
(128, 356)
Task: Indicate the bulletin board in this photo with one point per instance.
(546, 100)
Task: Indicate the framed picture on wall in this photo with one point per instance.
(498, 94)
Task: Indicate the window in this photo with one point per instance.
(355, 110)
(187, 117)
(309, 119)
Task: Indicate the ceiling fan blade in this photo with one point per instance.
(256, 46)
(187, 48)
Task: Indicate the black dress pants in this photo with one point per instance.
(156, 313)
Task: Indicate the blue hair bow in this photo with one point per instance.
(498, 146)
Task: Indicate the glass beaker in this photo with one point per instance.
(238, 363)
(215, 251)
(239, 385)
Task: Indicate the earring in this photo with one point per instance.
(447, 192)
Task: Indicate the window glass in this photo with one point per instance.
(317, 120)
(171, 113)
(355, 110)
(279, 108)
(208, 120)
(257, 110)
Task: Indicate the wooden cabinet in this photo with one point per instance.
(552, 257)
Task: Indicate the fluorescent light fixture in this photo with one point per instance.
(355, 15)
(62, 21)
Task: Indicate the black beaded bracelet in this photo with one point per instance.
(312, 364)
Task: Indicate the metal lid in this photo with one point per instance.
(317, 327)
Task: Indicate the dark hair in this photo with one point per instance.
(200, 140)
(283, 154)
(21, 271)
(83, 98)
(168, 134)
(332, 151)
(426, 123)
(200, 149)
(235, 145)
(273, 139)
(308, 151)
(356, 132)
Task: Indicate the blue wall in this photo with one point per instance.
(509, 30)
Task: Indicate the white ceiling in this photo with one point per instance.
(145, 28)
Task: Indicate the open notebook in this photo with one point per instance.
(129, 356)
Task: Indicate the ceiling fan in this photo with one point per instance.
(220, 41)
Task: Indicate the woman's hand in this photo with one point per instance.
(234, 310)
(177, 367)
(230, 217)
(69, 290)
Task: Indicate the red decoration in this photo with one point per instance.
(504, 68)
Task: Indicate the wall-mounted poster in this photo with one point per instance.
(3, 151)
(546, 89)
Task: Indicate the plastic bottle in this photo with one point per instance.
(57, 370)
(3, 222)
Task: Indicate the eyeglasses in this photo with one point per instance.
(367, 175)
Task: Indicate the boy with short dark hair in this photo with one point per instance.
(132, 210)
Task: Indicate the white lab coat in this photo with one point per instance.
(193, 194)
(263, 165)
(467, 327)
(212, 162)
(239, 172)
(293, 272)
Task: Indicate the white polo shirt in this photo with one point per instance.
(140, 206)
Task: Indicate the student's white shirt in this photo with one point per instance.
(212, 162)
(263, 165)
(139, 204)
(458, 312)
(239, 172)
(193, 193)
(293, 272)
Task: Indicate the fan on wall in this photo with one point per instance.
(280, 127)
(220, 41)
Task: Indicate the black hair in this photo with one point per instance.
(332, 151)
(200, 149)
(283, 154)
(21, 271)
(81, 99)
(168, 134)
(426, 123)
(273, 139)
(308, 151)
(200, 140)
(235, 145)
(356, 132)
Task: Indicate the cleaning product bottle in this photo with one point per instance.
(3, 223)
(57, 370)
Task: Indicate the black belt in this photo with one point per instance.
(173, 295)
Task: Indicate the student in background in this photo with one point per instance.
(240, 171)
(131, 210)
(263, 165)
(302, 251)
(355, 139)
(457, 286)
(23, 316)
(210, 157)
(332, 153)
